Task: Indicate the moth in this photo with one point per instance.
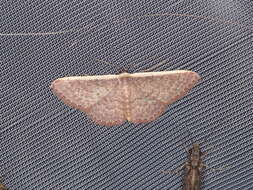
(193, 168)
(113, 99)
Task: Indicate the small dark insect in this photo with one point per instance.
(2, 186)
(193, 168)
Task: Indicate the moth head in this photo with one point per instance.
(123, 70)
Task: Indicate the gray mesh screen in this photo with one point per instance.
(47, 145)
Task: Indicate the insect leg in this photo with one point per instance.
(173, 171)
(213, 169)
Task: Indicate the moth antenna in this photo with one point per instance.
(152, 67)
(102, 61)
(155, 66)
(121, 70)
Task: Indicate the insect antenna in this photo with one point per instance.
(102, 61)
(190, 134)
(205, 141)
(191, 139)
(155, 66)
(120, 69)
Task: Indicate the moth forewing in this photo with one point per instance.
(113, 99)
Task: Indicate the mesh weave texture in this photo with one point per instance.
(47, 145)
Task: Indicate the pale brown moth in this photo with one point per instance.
(113, 99)
(193, 168)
